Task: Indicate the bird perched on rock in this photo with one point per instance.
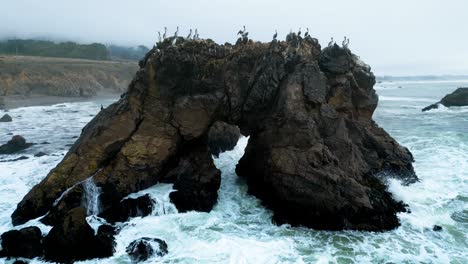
(241, 32)
(299, 32)
(190, 34)
(165, 33)
(195, 36)
(159, 37)
(306, 34)
(176, 33)
(330, 43)
(275, 35)
(344, 42)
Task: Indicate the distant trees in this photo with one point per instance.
(94, 51)
(127, 53)
(30, 47)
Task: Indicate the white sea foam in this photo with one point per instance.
(239, 228)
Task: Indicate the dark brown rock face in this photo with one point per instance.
(26, 242)
(121, 212)
(314, 152)
(458, 98)
(73, 239)
(16, 144)
(222, 137)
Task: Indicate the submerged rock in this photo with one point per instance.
(40, 154)
(437, 228)
(20, 158)
(16, 144)
(6, 118)
(144, 248)
(73, 239)
(314, 150)
(222, 137)
(127, 208)
(458, 98)
(26, 243)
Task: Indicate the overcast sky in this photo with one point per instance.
(397, 37)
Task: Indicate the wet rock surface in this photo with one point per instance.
(15, 144)
(144, 248)
(6, 118)
(127, 208)
(26, 243)
(458, 98)
(315, 156)
(73, 239)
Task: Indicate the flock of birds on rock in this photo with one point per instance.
(244, 36)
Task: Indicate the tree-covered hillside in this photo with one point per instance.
(29, 47)
(94, 51)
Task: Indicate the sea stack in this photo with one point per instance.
(315, 156)
(459, 97)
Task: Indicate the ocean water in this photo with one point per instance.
(239, 229)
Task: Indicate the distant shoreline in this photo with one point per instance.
(16, 101)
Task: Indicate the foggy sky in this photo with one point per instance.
(397, 37)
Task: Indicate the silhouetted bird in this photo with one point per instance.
(195, 36)
(176, 33)
(190, 34)
(165, 33)
(344, 42)
(275, 35)
(102, 107)
(159, 36)
(306, 34)
(330, 43)
(299, 32)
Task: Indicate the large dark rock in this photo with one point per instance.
(16, 144)
(458, 98)
(144, 248)
(222, 137)
(26, 243)
(73, 239)
(127, 208)
(6, 118)
(315, 156)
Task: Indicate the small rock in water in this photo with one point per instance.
(6, 118)
(20, 158)
(437, 228)
(40, 154)
(45, 143)
(26, 242)
(20, 262)
(16, 143)
(142, 249)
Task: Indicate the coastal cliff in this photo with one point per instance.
(25, 76)
(315, 157)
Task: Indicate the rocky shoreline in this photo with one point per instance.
(315, 156)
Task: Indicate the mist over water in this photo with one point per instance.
(239, 229)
